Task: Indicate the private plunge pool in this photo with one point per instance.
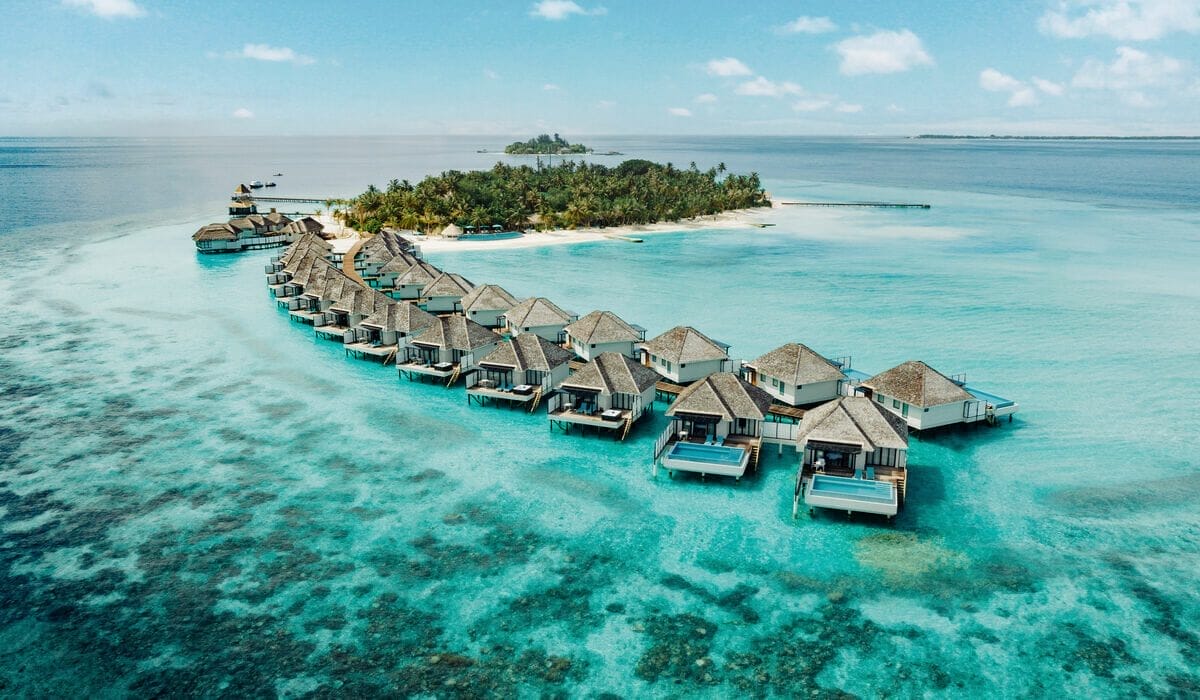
(853, 495)
(707, 459)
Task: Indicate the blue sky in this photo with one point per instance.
(152, 67)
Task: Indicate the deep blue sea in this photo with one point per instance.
(198, 497)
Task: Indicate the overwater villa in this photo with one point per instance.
(291, 276)
(538, 315)
(601, 332)
(377, 251)
(306, 225)
(244, 233)
(385, 277)
(242, 192)
(242, 207)
(486, 303)
(384, 333)
(450, 347)
(520, 370)
(716, 427)
(796, 375)
(412, 281)
(351, 308)
(925, 398)
(684, 354)
(609, 393)
(444, 294)
(853, 457)
(326, 284)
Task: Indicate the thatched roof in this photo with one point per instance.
(528, 351)
(797, 364)
(216, 232)
(917, 384)
(241, 189)
(421, 273)
(362, 301)
(456, 332)
(537, 311)
(723, 394)
(452, 231)
(488, 297)
(447, 284)
(401, 317)
(307, 225)
(602, 327)
(612, 373)
(684, 344)
(855, 420)
(277, 219)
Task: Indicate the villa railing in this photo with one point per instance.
(554, 401)
(780, 432)
(660, 444)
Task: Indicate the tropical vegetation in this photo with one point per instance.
(568, 195)
(545, 145)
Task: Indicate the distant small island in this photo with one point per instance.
(545, 145)
(563, 196)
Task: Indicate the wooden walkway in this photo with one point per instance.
(789, 412)
(348, 262)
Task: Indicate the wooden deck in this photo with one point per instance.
(383, 353)
(667, 391)
(894, 475)
(348, 262)
(564, 417)
(790, 412)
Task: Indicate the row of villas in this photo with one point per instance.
(849, 429)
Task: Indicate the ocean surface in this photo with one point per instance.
(198, 497)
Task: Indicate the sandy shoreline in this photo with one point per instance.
(739, 218)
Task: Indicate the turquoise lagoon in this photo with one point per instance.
(199, 497)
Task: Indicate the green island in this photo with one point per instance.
(566, 195)
(545, 145)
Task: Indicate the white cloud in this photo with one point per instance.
(809, 25)
(1047, 86)
(882, 52)
(894, 108)
(705, 98)
(1019, 94)
(846, 108)
(551, 87)
(490, 74)
(761, 87)
(108, 9)
(679, 111)
(1131, 74)
(274, 54)
(1125, 20)
(606, 104)
(813, 105)
(727, 67)
(556, 10)
(242, 113)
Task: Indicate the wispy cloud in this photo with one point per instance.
(679, 111)
(705, 98)
(551, 87)
(727, 67)
(242, 113)
(1124, 20)
(847, 108)
(1047, 86)
(815, 104)
(1131, 74)
(490, 74)
(808, 25)
(108, 9)
(882, 52)
(1019, 94)
(274, 54)
(606, 104)
(761, 87)
(556, 10)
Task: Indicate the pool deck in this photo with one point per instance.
(567, 416)
(750, 445)
(370, 351)
(871, 499)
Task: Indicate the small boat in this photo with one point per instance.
(255, 184)
(277, 175)
(269, 184)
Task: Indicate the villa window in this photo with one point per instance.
(904, 409)
(895, 403)
(879, 398)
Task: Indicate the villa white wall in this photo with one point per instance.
(559, 374)
(488, 318)
(550, 333)
(924, 419)
(437, 305)
(408, 291)
(819, 392)
(692, 371)
(590, 351)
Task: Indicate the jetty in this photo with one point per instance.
(296, 200)
(876, 205)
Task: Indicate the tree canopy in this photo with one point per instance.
(545, 145)
(568, 195)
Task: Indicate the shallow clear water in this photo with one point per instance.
(198, 496)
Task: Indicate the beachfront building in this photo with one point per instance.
(538, 315)
(716, 427)
(384, 333)
(609, 393)
(486, 304)
(520, 370)
(242, 207)
(244, 233)
(853, 457)
(926, 398)
(601, 332)
(307, 226)
(449, 348)
(242, 192)
(444, 293)
(684, 355)
(410, 283)
(795, 375)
